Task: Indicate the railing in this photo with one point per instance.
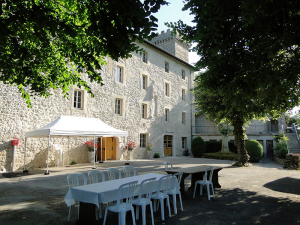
(296, 133)
(265, 129)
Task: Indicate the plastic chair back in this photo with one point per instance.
(96, 176)
(126, 192)
(73, 180)
(211, 174)
(164, 185)
(168, 165)
(129, 171)
(112, 173)
(146, 187)
(176, 182)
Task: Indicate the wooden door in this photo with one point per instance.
(270, 151)
(109, 148)
(168, 143)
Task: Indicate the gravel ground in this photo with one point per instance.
(262, 194)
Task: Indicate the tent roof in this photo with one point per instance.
(76, 126)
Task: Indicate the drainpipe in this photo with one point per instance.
(191, 107)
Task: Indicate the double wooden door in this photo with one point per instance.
(168, 144)
(108, 148)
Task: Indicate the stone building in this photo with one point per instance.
(146, 95)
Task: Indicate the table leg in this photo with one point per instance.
(86, 213)
(215, 179)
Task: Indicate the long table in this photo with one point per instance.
(92, 195)
(197, 173)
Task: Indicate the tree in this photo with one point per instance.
(250, 52)
(46, 44)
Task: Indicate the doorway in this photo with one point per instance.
(108, 149)
(270, 151)
(168, 143)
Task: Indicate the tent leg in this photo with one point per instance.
(24, 169)
(94, 155)
(101, 161)
(47, 173)
(68, 165)
(128, 152)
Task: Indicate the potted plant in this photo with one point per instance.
(90, 145)
(186, 152)
(130, 146)
(149, 148)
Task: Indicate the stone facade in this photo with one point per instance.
(17, 119)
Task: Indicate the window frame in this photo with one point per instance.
(167, 89)
(167, 115)
(167, 67)
(144, 82)
(120, 106)
(183, 142)
(183, 94)
(183, 74)
(183, 118)
(145, 57)
(143, 140)
(75, 99)
(119, 76)
(144, 111)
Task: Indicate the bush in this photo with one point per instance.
(221, 155)
(156, 155)
(213, 146)
(281, 150)
(232, 147)
(254, 149)
(198, 147)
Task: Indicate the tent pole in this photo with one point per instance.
(94, 154)
(128, 152)
(101, 151)
(24, 169)
(47, 173)
(68, 165)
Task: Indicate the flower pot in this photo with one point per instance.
(90, 156)
(148, 154)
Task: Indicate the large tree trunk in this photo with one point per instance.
(240, 135)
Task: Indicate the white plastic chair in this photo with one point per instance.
(162, 193)
(146, 191)
(112, 173)
(125, 191)
(74, 181)
(206, 182)
(129, 171)
(97, 176)
(167, 165)
(175, 190)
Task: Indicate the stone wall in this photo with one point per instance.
(17, 119)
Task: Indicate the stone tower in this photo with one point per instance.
(172, 45)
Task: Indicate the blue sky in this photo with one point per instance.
(173, 13)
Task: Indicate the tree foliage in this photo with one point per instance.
(46, 44)
(251, 55)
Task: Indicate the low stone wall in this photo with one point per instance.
(292, 161)
(279, 161)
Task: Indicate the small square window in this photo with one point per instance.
(144, 111)
(183, 118)
(144, 55)
(119, 74)
(183, 74)
(167, 89)
(143, 140)
(166, 67)
(183, 94)
(144, 82)
(78, 99)
(167, 115)
(118, 107)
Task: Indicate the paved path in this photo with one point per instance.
(262, 194)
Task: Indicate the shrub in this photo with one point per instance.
(156, 155)
(254, 149)
(213, 146)
(221, 155)
(73, 162)
(281, 150)
(198, 147)
(232, 147)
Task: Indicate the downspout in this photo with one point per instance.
(191, 108)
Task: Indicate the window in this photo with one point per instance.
(143, 140)
(78, 99)
(166, 67)
(144, 55)
(183, 118)
(144, 111)
(144, 82)
(183, 94)
(119, 75)
(167, 115)
(167, 89)
(118, 107)
(183, 74)
(183, 142)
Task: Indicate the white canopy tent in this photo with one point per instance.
(76, 127)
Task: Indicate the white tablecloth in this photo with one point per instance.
(104, 191)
